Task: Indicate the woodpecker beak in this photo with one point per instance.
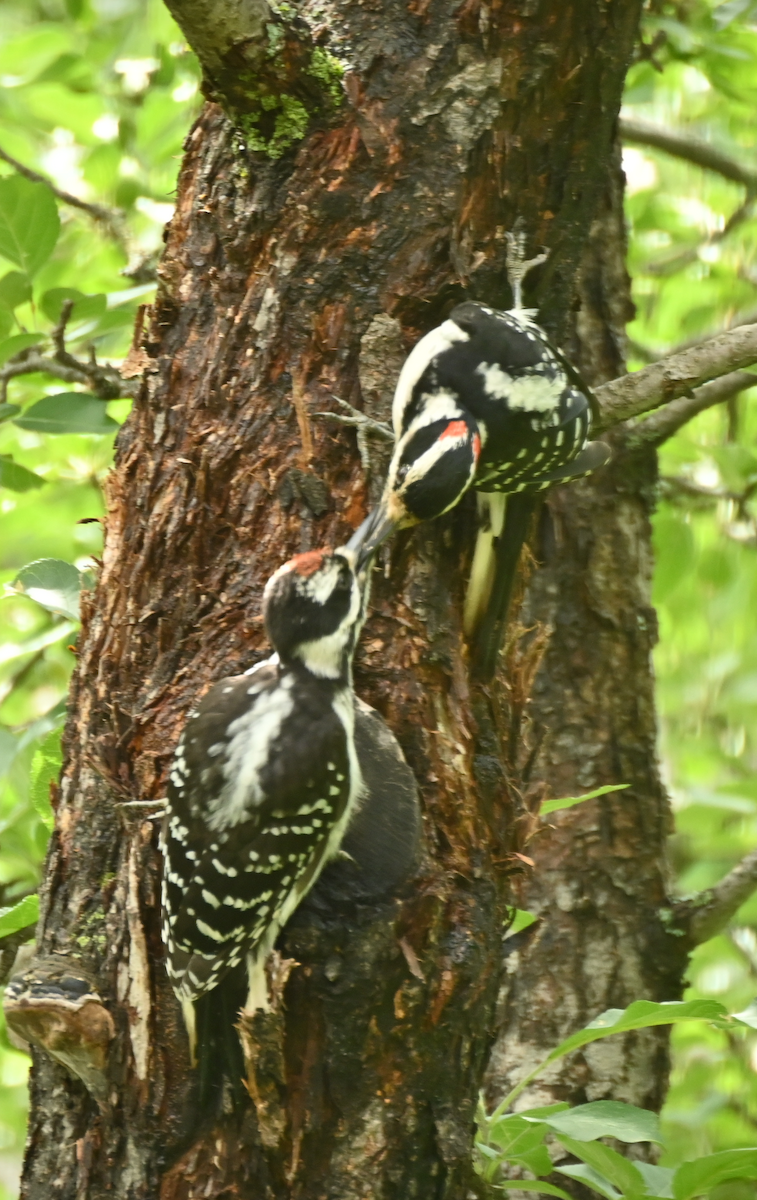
(376, 528)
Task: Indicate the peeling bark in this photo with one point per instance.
(278, 283)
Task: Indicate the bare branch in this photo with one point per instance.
(704, 915)
(692, 150)
(103, 380)
(658, 427)
(676, 375)
(110, 219)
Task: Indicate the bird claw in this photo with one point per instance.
(518, 266)
(364, 426)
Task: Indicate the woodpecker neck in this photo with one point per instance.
(328, 657)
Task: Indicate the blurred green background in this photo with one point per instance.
(98, 96)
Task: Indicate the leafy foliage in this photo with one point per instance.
(514, 1142)
(693, 249)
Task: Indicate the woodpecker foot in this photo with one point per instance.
(364, 426)
(518, 265)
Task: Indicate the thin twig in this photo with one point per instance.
(676, 375)
(110, 218)
(691, 149)
(105, 381)
(661, 425)
(704, 915)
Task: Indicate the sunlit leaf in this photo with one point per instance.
(659, 1180)
(14, 345)
(642, 1014)
(15, 477)
(521, 920)
(608, 1163)
(45, 770)
(550, 806)
(29, 223)
(697, 1178)
(52, 583)
(19, 916)
(15, 289)
(68, 412)
(607, 1118)
(85, 307)
(533, 1185)
(591, 1178)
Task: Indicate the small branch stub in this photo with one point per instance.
(264, 69)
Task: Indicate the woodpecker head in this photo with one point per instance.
(313, 608)
(433, 464)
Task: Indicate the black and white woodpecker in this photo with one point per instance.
(484, 401)
(263, 785)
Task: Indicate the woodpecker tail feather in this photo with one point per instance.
(487, 638)
(220, 1062)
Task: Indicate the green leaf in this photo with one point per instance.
(608, 1163)
(534, 1185)
(537, 1160)
(607, 1118)
(642, 1014)
(505, 1133)
(68, 412)
(18, 916)
(592, 1179)
(29, 223)
(53, 584)
(86, 308)
(45, 770)
(748, 1016)
(20, 341)
(521, 920)
(16, 477)
(659, 1180)
(550, 806)
(698, 1177)
(15, 289)
(6, 323)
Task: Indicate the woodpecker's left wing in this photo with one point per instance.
(261, 778)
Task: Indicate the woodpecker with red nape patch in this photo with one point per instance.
(485, 401)
(264, 782)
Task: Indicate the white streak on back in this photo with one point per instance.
(250, 739)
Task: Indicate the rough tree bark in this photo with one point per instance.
(285, 282)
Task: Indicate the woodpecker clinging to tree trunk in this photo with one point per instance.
(264, 782)
(484, 400)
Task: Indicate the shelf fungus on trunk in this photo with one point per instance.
(55, 1005)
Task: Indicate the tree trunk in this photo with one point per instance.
(599, 881)
(286, 282)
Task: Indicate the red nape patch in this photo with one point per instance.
(454, 429)
(476, 446)
(307, 564)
